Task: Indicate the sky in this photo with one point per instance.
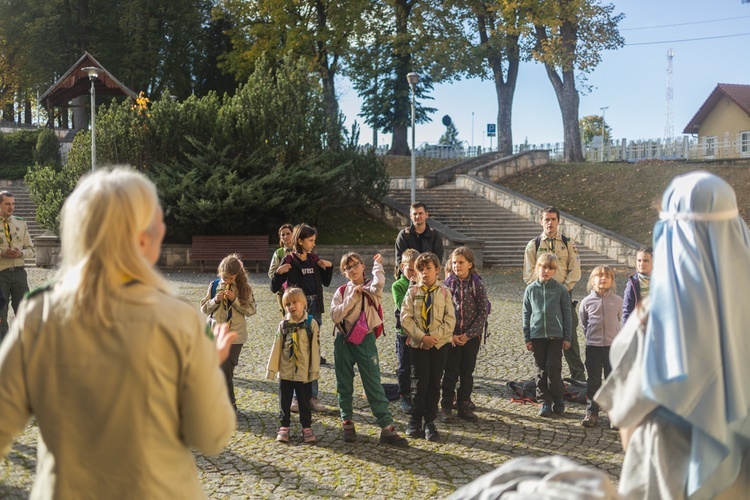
(631, 83)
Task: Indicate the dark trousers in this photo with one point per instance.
(403, 355)
(597, 358)
(573, 355)
(287, 388)
(428, 366)
(460, 368)
(548, 359)
(228, 366)
(14, 285)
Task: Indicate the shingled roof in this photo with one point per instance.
(739, 94)
(75, 83)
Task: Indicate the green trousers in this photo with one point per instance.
(365, 355)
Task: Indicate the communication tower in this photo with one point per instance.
(669, 121)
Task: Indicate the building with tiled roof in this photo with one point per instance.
(722, 123)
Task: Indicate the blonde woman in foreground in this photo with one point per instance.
(122, 376)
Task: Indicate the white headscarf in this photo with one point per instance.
(697, 355)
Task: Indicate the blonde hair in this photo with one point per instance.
(599, 271)
(232, 265)
(293, 294)
(101, 225)
(548, 260)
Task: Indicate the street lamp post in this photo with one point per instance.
(413, 80)
(93, 74)
(604, 131)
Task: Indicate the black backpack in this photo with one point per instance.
(538, 241)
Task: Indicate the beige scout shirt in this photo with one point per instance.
(118, 409)
(304, 366)
(442, 321)
(219, 311)
(20, 239)
(568, 263)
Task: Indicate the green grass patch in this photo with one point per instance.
(351, 227)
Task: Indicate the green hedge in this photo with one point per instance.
(17, 153)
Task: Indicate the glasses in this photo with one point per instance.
(354, 265)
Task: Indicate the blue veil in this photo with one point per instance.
(697, 345)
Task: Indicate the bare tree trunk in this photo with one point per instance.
(402, 55)
(328, 71)
(567, 94)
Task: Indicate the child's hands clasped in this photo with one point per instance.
(428, 342)
(460, 340)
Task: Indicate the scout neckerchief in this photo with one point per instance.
(427, 304)
(645, 282)
(226, 303)
(294, 328)
(8, 237)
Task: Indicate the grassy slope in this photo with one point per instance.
(620, 197)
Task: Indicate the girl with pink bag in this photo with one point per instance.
(360, 297)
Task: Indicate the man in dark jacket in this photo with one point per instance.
(419, 235)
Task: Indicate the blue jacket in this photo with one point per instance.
(546, 311)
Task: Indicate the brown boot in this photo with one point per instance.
(465, 412)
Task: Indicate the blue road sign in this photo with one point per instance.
(491, 130)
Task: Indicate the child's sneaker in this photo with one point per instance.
(559, 407)
(446, 414)
(430, 432)
(406, 405)
(545, 410)
(350, 435)
(388, 435)
(308, 436)
(465, 412)
(283, 435)
(317, 406)
(414, 429)
(590, 420)
(295, 405)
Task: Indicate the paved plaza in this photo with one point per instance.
(254, 465)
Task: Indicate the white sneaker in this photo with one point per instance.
(295, 406)
(317, 406)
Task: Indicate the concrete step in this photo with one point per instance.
(504, 233)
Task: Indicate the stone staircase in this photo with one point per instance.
(25, 209)
(505, 234)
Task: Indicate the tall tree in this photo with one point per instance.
(150, 45)
(373, 68)
(491, 32)
(570, 37)
(317, 31)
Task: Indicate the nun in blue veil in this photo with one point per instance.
(680, 382)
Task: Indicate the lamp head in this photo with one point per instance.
(412, 78)
(92, 72)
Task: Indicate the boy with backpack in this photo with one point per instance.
(356, 314)
(403, 351)
(428, 318)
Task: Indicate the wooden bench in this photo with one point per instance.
(251, 248)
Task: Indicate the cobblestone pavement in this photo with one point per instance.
(254, 465)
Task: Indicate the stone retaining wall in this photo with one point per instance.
(597, 238)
